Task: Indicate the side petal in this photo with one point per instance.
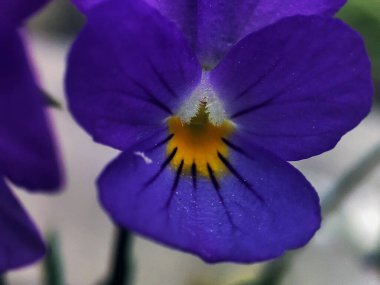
(259, 208)
(14, 12)
(296, 87)
(213, 27)
(28, 155)
(20, 242)
(128, 70)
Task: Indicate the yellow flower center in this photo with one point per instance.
(198, 143)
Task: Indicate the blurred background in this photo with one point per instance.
(345, 251)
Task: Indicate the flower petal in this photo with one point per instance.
(268, 12)
(260, 208)
(20, 242)
(128, 70)
(298, 86)
(213, 27)
(14, 12)
(28, 155)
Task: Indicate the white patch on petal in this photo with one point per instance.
(189, 109)
(203, 94)
(146, 159)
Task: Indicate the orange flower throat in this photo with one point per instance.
(198, 142)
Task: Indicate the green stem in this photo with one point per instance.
(373, 259)
(121, 270)
(52, 266)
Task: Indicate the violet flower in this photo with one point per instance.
(203, 165)
(27, 151)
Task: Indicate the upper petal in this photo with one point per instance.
(296, 87)
(128, 70)
(255, 211)
(213, 27)
(268, 12)
(14, 12)
(20, 242)
(28, 155)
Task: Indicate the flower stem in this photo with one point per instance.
(52, 266)
(121, 270)
(372, 260)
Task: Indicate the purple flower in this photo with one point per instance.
(28, 156)
(203, 165)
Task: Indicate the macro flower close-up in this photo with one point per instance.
(208, 102)
(28, 156)
(189, 142)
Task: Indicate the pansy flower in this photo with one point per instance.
(27, 151)
(206, 124)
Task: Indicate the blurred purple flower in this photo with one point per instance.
(28, 157)
(203, 167)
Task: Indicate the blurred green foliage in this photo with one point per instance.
(364, 16)
(53, 266)
(59, 18)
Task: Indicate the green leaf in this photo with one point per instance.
(50, 101)
(364, 16)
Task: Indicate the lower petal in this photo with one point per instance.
(260, 207)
